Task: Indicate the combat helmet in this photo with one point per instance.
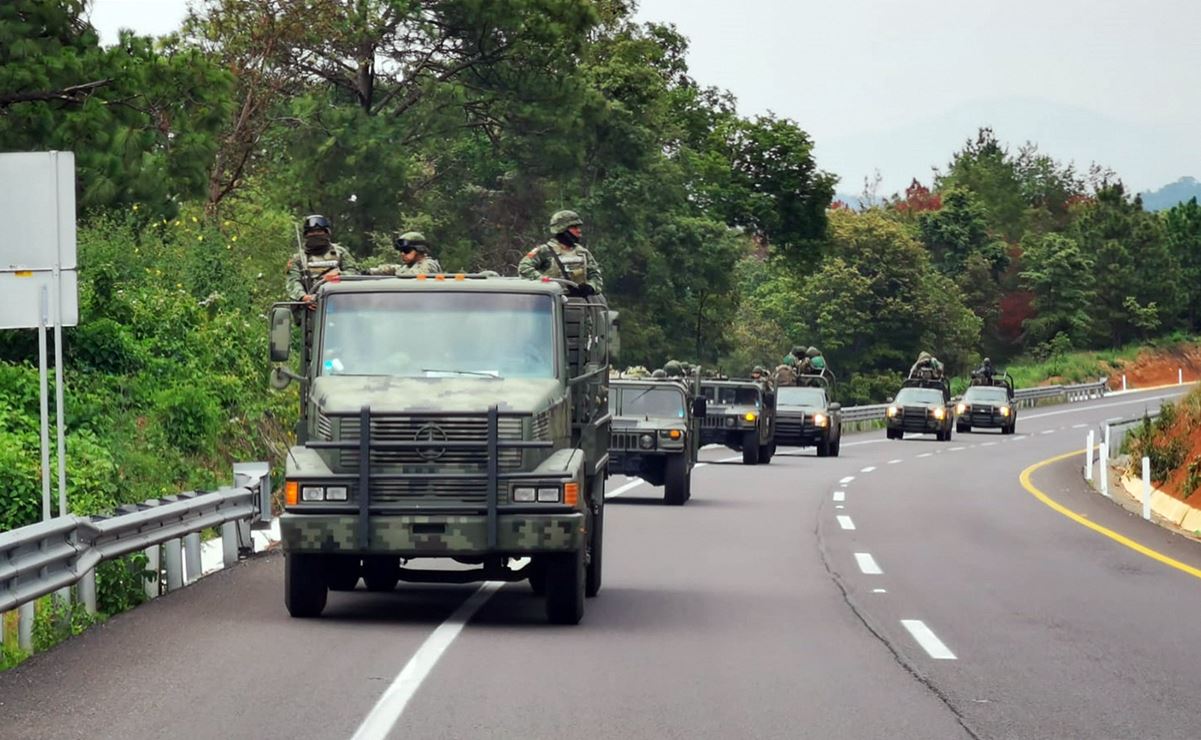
(812, 352)
(563, 220)
(659, 373)
(413, 239)
(673, 369)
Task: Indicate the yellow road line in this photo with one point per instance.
(1081, 519)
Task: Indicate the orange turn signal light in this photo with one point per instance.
(674, 434)
(439, 276)
(422, 276)
(571, 494)
(460, 276)
(291, 493)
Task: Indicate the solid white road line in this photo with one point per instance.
(732, 458)
(868, 469)
(840, 495)
(1100, 406)
(623, 488)
(845, 522)
(847, 480)
(391, 705)
(867, 564)
(929, 641)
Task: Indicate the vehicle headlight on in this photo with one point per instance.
(961, 408)
(548, 495)
(820, 420)
(524, 494)
(940, 413)
(893, 411)
(312, 493)
(1004, 411)
(336, 493)
(750, 416)
(646, 441)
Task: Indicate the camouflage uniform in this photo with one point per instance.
(925, 360)
(423, 266)
(577, 261)
(305, 269)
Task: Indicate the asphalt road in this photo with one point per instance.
(754, 611)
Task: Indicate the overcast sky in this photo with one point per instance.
(897, 86)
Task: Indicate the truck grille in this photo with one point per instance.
(712, 421)
(914, 418)
(791, 426)
(625, 440)
(434, 429)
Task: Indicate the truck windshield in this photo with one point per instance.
(655, 402)
(919, 395)
(438, 334)
(985, 394)
(792, 396)
(729, 396)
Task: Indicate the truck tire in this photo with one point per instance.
(565, 587)
(823, 448)
(538, 576)
(596, 551)
(837, 446)
(381, 573)
(304, 585)
(766, 452)
(342, 572)
(750, 448)
(894, 434)
(962, 428)
(677, 481)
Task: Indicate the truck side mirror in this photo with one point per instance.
(700, 406)
(888, 400)
(281, 333)
(835, 406)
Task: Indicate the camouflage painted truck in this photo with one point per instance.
(656, 432)
(460, 417)
(807, 414)
(741, 415)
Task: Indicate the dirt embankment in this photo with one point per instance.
(1158, 367)
(1175, 450)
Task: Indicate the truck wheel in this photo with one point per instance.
(962, 428)
(750, 448)
(893, 434)
(596, 549)
(676, 481)
(538, 576)
(342, 572)
(304, 585)
(565, 587)
(837, 446)
(766, 452)
(381, 573)
(823, 448)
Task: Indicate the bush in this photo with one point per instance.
(188, 417)
(119, 583)
(104, 345)
(55, 622)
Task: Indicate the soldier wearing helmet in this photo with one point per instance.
(794, 355)
(673, 369)
(319, 259)
(659, 374)
(563, 257)
(415, 257)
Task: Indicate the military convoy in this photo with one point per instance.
(741, 415)
(922, 406)
(807, 414)
(656, 432)
(483, 437)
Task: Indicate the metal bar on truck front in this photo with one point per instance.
(363, 529)
(493, 473)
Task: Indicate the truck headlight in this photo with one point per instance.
(893, 411)
(731, 421)
(1004, 411)
(312, 493)
(548, 495)
(940, 413)
(961, 408)
(524, 495)
(646, 441)
(820, 420)
(336, 493)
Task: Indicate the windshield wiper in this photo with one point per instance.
(480, 373)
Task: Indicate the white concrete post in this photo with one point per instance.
(1107, 428)
(1123, 381)
(1146, 488)
(1088, 457)
(1105, 468)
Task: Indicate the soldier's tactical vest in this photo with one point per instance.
(574, 260)
(314, 266)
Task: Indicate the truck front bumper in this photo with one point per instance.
(418, 535)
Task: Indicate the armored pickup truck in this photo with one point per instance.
(922, 406)
(741, 415)
(808, 416)
(656, 433)
(988, 403)
(447, 416)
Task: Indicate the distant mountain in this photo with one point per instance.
(1171, 194)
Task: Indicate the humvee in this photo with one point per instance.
(741, 415)
(656, 432)
(462, 417)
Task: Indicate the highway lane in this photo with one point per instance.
(723, 618)
(1057, 630)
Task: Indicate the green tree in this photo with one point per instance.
(1182, 231)
(959, 230)
(986, 168)
(1060, 275)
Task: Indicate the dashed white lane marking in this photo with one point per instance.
(987, 444)
(929, 641)
(867, 564)
(879, 591)
(839, 506)
(894, 461)
(868, 469)
(926, 454)
(957, 449)
(840, 495)
(623, 488)
(1047, 431)
(845, 522)
(1018, 438)
(391, 705)
(1079, 426)
(847, 480)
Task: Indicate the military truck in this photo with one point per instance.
(922, 406)
(988, 403)
(462, 417)
(656, 433)
(807, 414)
(741, 415)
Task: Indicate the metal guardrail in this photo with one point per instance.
(58, 553)
(1025, 397)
